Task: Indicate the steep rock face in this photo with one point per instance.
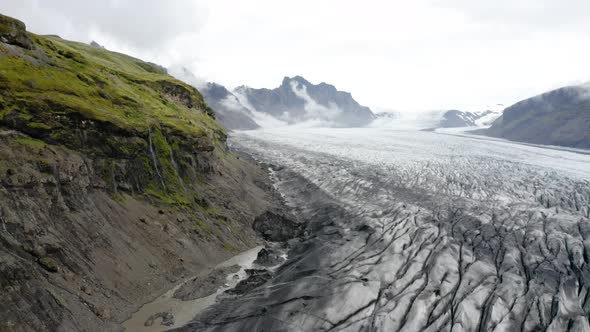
(229, 111)
(298, 100)
(115, 182)
(559, 117)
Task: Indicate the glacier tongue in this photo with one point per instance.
(419, 231)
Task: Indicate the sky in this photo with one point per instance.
(398, 55)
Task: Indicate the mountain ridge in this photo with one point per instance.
(558, 117)
(296, 100)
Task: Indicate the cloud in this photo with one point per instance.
(138, 26)
(232, 103)
(408, 120)
(320, 114)
(584, 91)
(406, 55)
(185, 75)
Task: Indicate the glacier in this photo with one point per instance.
(421, 231)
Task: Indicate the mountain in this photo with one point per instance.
(229, 111)
(115, 183)
(434, 119)
(456, 118)
(559, 117)
(297, 100)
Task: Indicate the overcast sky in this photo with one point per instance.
(403, 55)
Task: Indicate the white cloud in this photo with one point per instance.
(422, 54)
(186, 76)
(313, 110)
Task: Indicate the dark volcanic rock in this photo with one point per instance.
(95, 44)
(268, 257)
(255, 279)
(276, 228)
(560, 117)
(204, 286)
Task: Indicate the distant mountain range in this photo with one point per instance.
(455, 118)
(436, 119)
(296, 100)
(559, 117)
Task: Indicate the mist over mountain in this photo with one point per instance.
(228, 109)
(297, 100)
(559, 117)
(435, 119)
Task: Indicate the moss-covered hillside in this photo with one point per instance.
(115, 183)
(60, 77)
(100, 102)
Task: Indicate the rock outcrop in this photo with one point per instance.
(13, 31)
(276, 228)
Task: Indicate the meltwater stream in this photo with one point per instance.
(420, 231)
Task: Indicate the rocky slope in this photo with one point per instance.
(560, 117)
(115, 183)
(297, 100)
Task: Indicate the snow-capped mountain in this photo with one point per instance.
(456, 118)
(297, 100)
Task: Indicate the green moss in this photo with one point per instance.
(52, 92)
(202, 227)
(37, 125)
(119, 198)
(31, 143)
(25, 116)
(229, 247)
(49, 264)
(103, 86)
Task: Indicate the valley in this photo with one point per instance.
(418, 231)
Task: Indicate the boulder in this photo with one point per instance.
(277, 228)
(14, 32)
(268, 257)
(255, 279)
(49, 264)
